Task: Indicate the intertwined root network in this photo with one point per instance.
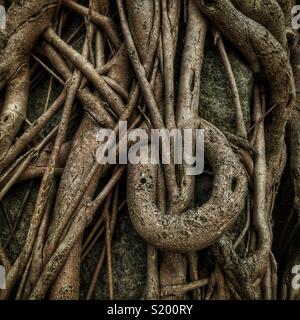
(141, 61)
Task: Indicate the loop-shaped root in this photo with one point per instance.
(196, 228)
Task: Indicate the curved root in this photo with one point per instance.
(196, 228)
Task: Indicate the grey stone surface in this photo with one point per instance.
(129, 264)
(216, 99)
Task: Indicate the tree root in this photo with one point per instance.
(197, 228)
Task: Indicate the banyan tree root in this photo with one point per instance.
(267, 172)
(268, 13)
(140, 13)
(252, 270)
(67, 284)
(294, 132)
(265, 55)
(160, 197)
(173, 268)
(25, 24)
(196, 228)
